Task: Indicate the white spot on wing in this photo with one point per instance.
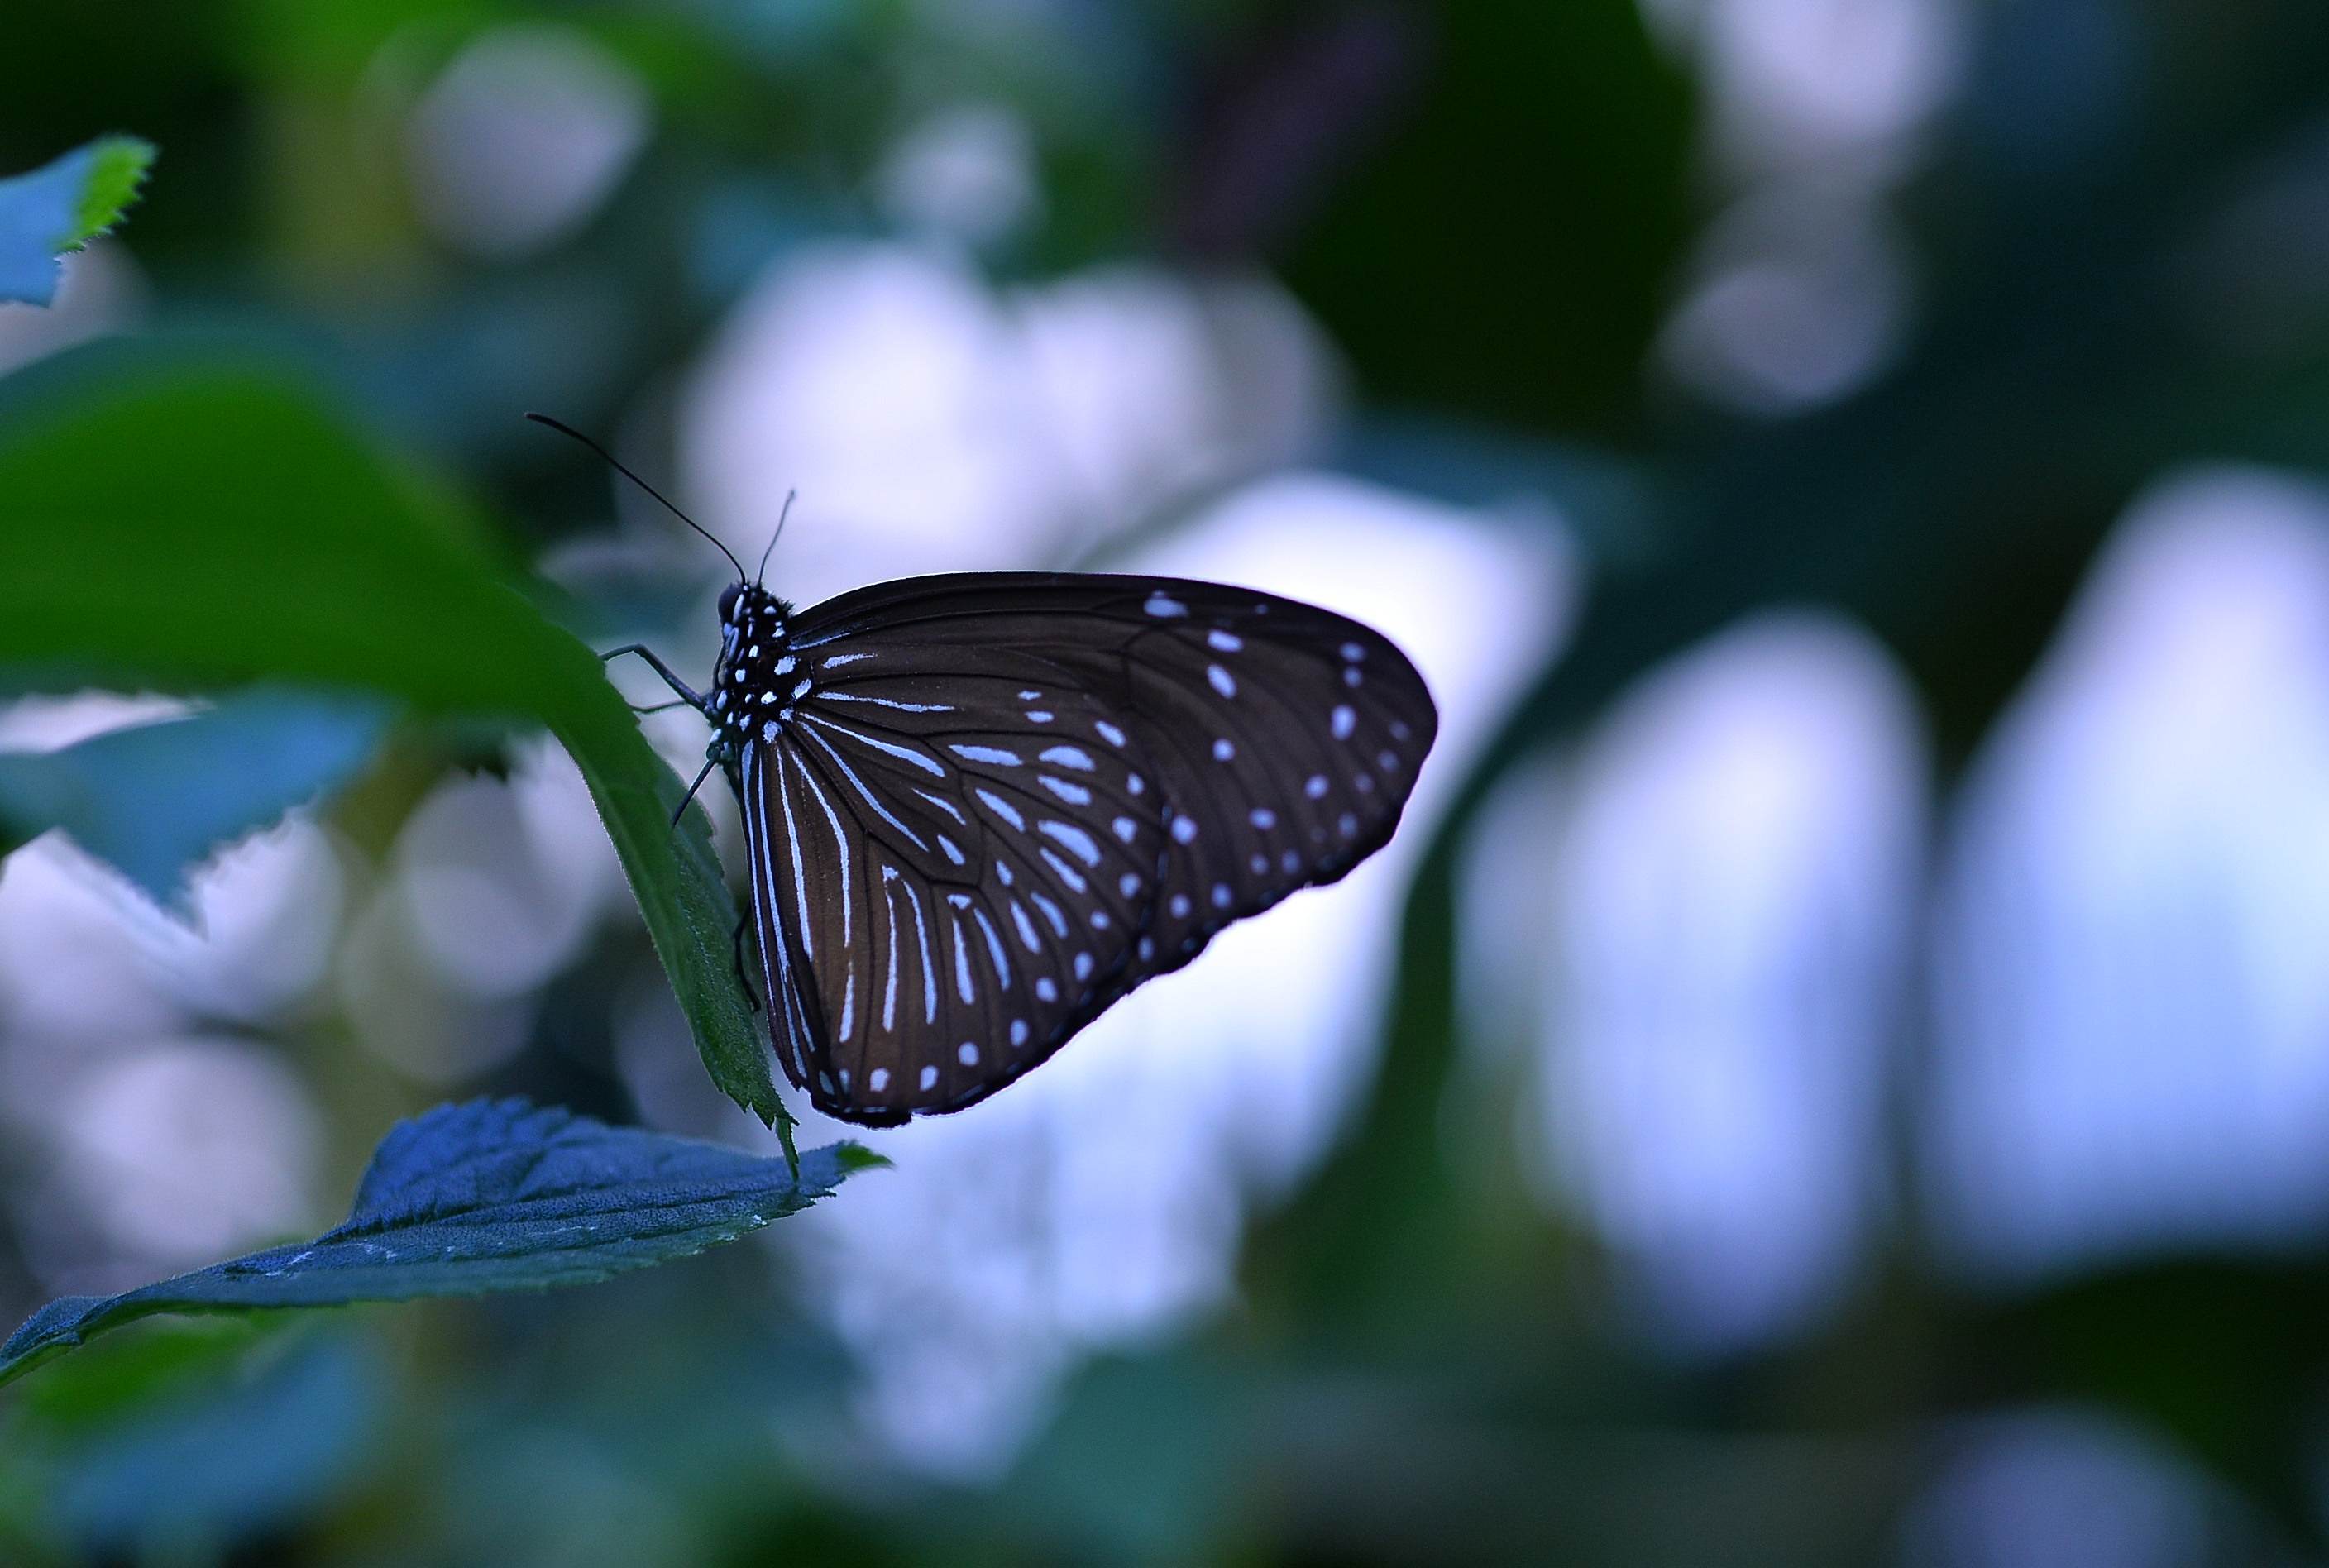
(1221, 680)
(945, 805)
(993, 947)
(1344, 721)
(1077, 840)
(890, 988)
(1070, 757)
(889, 702)
(994, 754)
(1225, 641)
(1001, 808)
(1164, 606)
(929, 971)
(905, 754)
(1067, 874)
(1073, 794)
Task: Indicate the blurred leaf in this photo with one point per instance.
(1148, 1458)
(101, 1391)
(207, 1461)
(1611, 507)
(472, 1199)
(62, 206)
(1508, 248)
(230, 770)
(199, 525)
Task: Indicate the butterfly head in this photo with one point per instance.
(757, 679)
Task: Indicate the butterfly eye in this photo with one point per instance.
(728, 600)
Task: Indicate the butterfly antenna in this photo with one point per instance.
(779, 534)
(566, 429)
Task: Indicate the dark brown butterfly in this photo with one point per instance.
(981, 807)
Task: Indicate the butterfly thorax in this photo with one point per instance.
(758, 680)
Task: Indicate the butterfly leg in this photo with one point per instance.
(743, 924)
(689, 694)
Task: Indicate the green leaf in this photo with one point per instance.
(194, 526)
(62, 206)
(231, 770)
(117, 173)
(249, 1438)
(472, 1199)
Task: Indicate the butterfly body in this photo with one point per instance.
(981, 808)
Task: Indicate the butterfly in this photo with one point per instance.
(979, 809)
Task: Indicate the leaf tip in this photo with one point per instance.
(117, 168)
(852, 1157)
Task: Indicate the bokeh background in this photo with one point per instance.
(1835, 1068)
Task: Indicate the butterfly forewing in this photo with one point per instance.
(995, 803)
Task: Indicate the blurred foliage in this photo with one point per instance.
(235, 768)
(178, 1445)
(116, 509)
(1490, 205)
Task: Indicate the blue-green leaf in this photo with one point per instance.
(137, 551)
(60, 207)
(229, 770)
(470, 1199)
(202, 1468)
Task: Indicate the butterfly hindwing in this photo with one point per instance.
(995, 803)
